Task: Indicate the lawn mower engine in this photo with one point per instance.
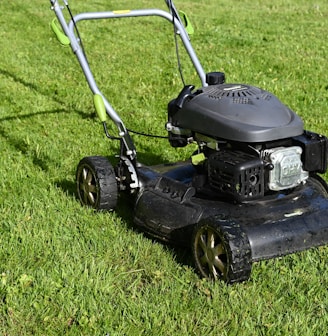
(249, 143)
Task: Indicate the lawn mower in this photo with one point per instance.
(251, 191)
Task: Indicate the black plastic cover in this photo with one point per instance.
(236, 174)
(314, 155)
(238, 112)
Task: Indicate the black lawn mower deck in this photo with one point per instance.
(168, 208)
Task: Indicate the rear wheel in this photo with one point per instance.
(96, 183)
(221, 251)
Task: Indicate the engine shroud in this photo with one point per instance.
(236, 112)
(252, 144)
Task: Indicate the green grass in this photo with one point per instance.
(66, 270)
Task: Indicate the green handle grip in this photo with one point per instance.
(62, 38)
(100, 107)
(188, 26)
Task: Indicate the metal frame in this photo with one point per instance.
(69, 30)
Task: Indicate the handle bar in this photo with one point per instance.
(66, 35)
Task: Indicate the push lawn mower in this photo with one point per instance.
(250, 192)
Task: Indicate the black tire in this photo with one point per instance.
(221, 251)
(96, 183)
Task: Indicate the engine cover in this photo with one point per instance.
(237, 112)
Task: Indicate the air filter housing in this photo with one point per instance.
(236, 174)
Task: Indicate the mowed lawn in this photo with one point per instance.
(66, 270)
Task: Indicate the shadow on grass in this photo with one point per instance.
(20, 145)
(149, 158)
(67, 186)
(42, 161)
(37, 89)
(125, 210)
(125, 204)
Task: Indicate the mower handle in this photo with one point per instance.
(142, 13)
(66, 35)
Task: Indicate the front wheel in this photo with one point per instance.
(96, 183)
(221, 251)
